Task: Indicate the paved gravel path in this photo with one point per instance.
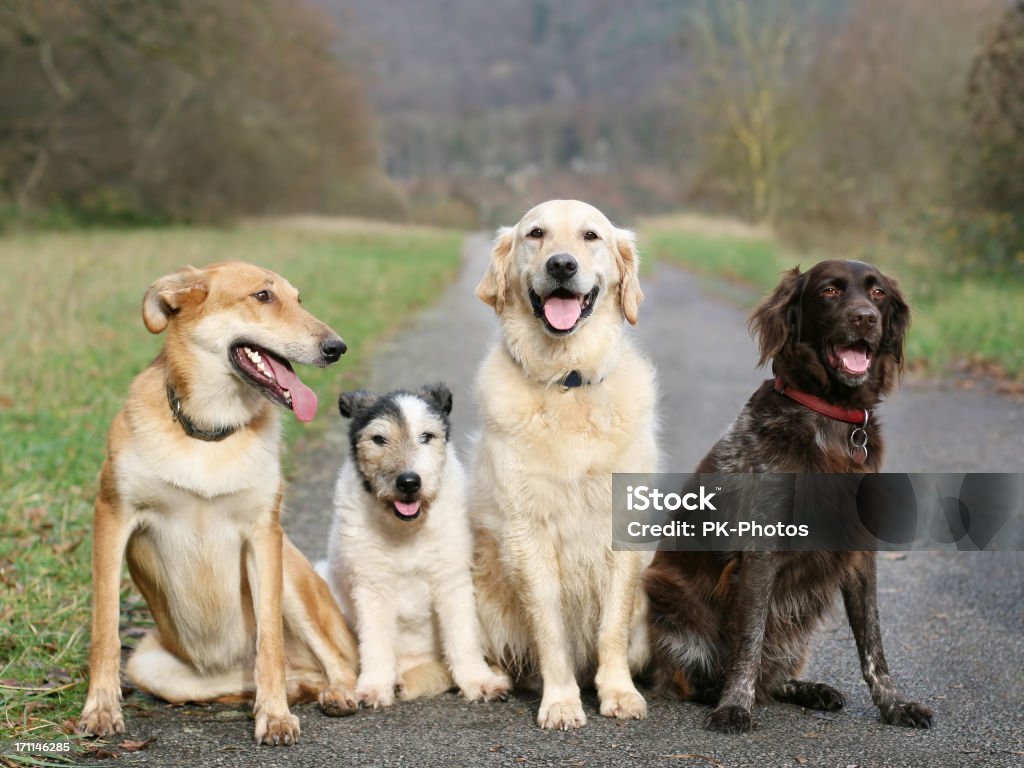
(953, 623)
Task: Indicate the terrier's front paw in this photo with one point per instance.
(908, 714)
(624, 705)
(276, 730)
(376, 693)
(561, 715)
(101, 715)
(338, 701)
(729, 719)
(492, 687)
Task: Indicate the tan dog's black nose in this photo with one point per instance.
(561, 266)
(332, 349)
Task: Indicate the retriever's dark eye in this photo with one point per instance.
(877, 293)
(590, 235)
(263, 297)
(426, 437)
(380, 440)
(831, 292)
(536, 232)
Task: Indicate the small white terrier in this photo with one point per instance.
(400, 552)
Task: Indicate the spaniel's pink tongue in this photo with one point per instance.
(303, 398)
(855, 359)
(407, 510)
(562, 313)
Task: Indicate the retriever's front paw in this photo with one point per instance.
(101, 715)
(624, 705)
(729, 719)
(908, 714)
(490, 687)
(276, 730)
(338, 701)
(375, 693)
(561, 714)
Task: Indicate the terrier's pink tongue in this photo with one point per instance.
(303, 398)
(562, 313)
(407, 510)
(855, 359)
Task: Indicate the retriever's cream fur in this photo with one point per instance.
(553, 597)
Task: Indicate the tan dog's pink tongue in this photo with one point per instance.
(562, 313)
(303, 398)
(855, 360)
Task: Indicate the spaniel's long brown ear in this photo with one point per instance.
(628, 260)
(897, 323)
(493, 288)
(774, 321)
(170, 294)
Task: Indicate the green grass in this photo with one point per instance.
(957, 320)
(73, 339)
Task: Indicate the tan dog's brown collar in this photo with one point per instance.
(207, 435)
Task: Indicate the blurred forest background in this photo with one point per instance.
(825, 119)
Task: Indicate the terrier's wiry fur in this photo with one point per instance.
(400, 551)
(190, 495)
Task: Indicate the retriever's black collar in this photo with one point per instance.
(574, 379)
(179, 415)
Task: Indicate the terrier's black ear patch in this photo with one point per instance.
(439, 395)
(353, 402)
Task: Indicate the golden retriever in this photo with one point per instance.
(566, 399)
(191, 493)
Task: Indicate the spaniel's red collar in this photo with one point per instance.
(857, 416)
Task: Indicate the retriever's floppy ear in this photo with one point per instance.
(170, 294)
(439, 395)
(628, 260)
(351, 402)
(774, 321)
(897, 323)
(493, 288)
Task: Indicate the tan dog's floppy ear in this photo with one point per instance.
(628, 261)
(168, 295)
(774, 320)
(493, 288)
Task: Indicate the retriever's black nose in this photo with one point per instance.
(864, 317)
(408, 482)
(561, 266)
(332, 349)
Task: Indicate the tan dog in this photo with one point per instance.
(566, 400)
(191, 492)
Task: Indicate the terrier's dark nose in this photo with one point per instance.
(332, 349)
(561, 266)
(864, 317)
(408, 482)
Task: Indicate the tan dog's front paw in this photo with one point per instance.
(376, 694)
(276, 730)
(563, 715)
(493, 687)
(625, 705)
(338, 701)
(101, 716)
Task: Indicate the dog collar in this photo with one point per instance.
(574, 379)
(858, 416)
(178, 414)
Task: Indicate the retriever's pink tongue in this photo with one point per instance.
(407, 510)
(855, 360)
(562, 313)
(303, 398)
